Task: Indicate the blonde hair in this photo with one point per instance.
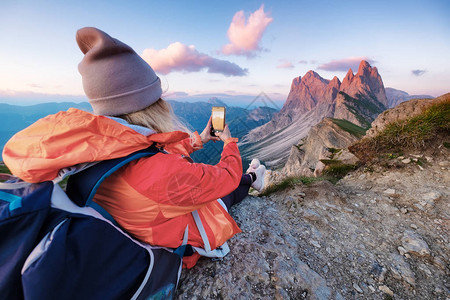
(159, 116)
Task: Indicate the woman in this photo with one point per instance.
(157, 199)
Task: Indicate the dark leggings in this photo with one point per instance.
(240, 193)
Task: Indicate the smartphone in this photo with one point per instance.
(217, 119)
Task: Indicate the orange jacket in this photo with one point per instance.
(152, 197)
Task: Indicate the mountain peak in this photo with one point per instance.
(365, 68)
(366, 81)
(310, 74)
(348, 77)
(335, 80)
(216, 102)
(296, 80)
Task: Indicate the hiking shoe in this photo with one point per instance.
(253, 165)
(258, 184)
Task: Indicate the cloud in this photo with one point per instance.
(302, 61)
(418, 72)
(175, 94)
(35, 85)
(285, 65)
(179, 57)
(344, 64)
(245, 35)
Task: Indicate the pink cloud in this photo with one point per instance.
(344, 64)
(285, 65)
(179, 57)
(245, 35)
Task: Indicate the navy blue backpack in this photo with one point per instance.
(61, 245)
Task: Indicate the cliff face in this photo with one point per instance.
(359, 99)
(322, 140)
(309, 91)
(366, 82)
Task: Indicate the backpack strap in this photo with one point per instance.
(82, 186)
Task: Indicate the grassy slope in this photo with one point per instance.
(414, 133)
(350, 127)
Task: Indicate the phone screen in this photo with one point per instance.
(218, 118)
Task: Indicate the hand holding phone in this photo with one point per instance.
(206, 135)
(225, 134)
(218, 119)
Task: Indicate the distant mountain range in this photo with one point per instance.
(14, 118)
(358, 99)
(395, 97)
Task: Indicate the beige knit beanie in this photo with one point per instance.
(116, 79)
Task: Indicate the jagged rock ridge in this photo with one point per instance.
(359, 99)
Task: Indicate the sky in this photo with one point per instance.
(229, 49)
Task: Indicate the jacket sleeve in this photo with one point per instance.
(185, 184)
(193, 143)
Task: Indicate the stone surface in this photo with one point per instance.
(305, 160)
(337, 238)
(386, 290)
(389, 191)
(414, 244)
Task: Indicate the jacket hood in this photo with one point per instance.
(67, 138)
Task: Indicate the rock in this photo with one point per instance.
(431, 197)
(401, 250)
(378, 271)
(444, 163)
(414, 244)
(389, 192)
(357, 288)
(318, 170)
(320, 144)
(292, 203)
(413, 226)
(315, 243)
(386, 290)
(406, 161)
(346, 157)
(401, 270)
(311, 215)
(438, 262)
(419, 206)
